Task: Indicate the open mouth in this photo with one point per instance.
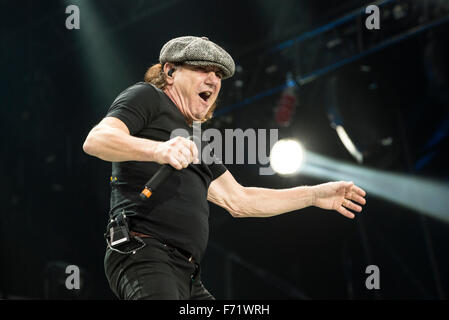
(205, 95)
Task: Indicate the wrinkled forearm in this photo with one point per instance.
(262, 202)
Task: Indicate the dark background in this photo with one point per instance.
(56, 84)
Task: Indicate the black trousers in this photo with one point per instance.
(157, 271)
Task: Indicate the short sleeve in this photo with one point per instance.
(135, 106)
(217, 168)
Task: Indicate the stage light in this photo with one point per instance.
(99, 51)
(349, 145)
(286, 156)
(287, 103)
(416, 193)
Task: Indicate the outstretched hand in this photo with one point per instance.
(339, 196)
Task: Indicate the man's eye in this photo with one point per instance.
(219, 74)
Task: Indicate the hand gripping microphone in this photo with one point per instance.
(159, 177)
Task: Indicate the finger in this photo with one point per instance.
(348, 187)
(175, 163)
(350, 205)
(194, 151)
(184, 159)
(360, 191)
(190, 149)
(186, 154)
(358, 198)
(345, 212)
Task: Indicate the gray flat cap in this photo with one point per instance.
(197, 51)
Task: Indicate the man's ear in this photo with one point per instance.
(168, 67)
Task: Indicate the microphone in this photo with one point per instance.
(159, 177)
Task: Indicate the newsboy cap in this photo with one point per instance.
(197, 51)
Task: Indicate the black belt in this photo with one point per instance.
(185, 253)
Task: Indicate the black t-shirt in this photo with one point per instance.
(178, 211)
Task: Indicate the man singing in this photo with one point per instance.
(168, 233)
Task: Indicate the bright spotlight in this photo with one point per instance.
(286, 156)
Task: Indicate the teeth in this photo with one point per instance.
(205, 95)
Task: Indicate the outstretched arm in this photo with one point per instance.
(241, 201)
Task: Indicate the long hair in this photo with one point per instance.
(156, 76)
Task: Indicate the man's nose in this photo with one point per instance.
(213, 78)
